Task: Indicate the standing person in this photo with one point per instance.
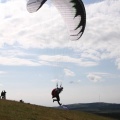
(4, 94)
(55, 94)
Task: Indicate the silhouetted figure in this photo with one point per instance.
(21, 101)
(55, 94)
(3, 94)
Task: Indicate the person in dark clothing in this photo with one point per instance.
(55, 94)
(3, 94)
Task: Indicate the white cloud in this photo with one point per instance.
(118, 62)
(35, 30)
(101, 76)
(12, 61)
(14, 53)
(75, 82)
(62, 58)
(56, 80)
(102, 31)
(101, 38)
(2, 72)
(46, 29)
(101, 73)
(93, 77)
(69, 72)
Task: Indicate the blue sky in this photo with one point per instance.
(91, 1)
(36, 52)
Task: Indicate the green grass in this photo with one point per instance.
(11, 110)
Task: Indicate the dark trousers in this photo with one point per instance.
(57, 99)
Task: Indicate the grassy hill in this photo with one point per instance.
(11, 110)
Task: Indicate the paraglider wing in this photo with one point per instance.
(72, 11)
(74, 14)
(34, 5)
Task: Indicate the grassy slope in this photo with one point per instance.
(11, 110)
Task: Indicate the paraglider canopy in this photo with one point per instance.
(34, 5)
(72, 11)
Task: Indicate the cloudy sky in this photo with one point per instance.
(36, 52)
